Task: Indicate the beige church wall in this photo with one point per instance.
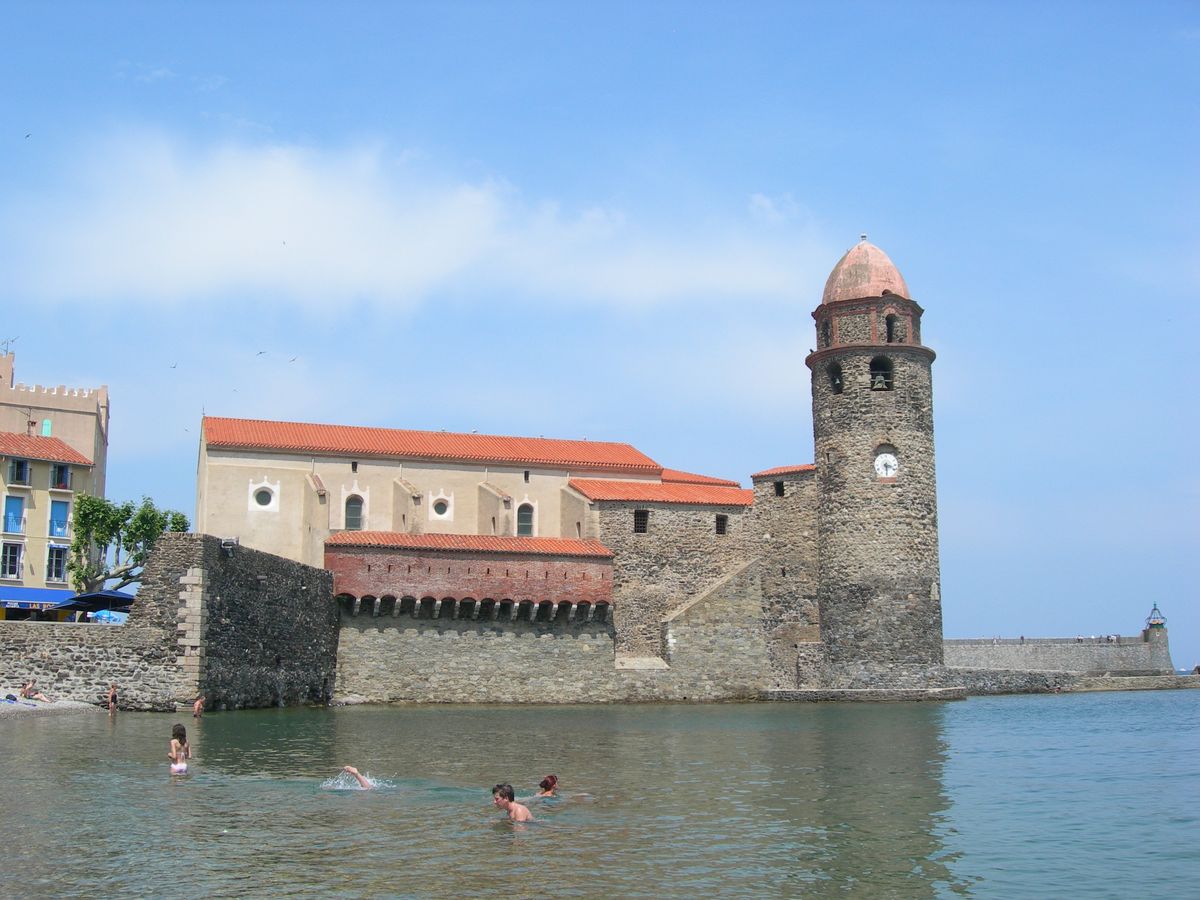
(296, 523)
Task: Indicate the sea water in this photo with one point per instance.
(1071, 795)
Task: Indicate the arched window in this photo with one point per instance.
(881, 374)
(826, 334)
(835, 378)
(525, 520)
(354, 506)
(893, 329)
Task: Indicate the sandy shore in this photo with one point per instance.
(57, 708)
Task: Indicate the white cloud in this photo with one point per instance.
(149, 219)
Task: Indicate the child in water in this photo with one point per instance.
(179, 752)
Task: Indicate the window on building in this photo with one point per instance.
(262, 497)
(836, 383)
(722, 524)
(525, 520)
(46, 428)
(60, 477)
(441, 507)
(493, 524)
(527, 476)
(56, 563)
(60, 518)
(779, 489)
(14, 515)
(881, 374)
(893, 334)
(10, 560)
(826, 334)
(641, 521)
(354, 467)
(354, 513)
(18, 471)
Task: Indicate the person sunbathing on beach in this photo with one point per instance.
(505, 799)
(359, 777)
(29, 691)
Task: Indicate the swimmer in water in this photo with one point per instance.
(505, 799)
(359, 777)
(547, 785)
(179, 752)
(112, 699)
(198, 707)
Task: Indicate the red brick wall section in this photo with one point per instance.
(363, 572)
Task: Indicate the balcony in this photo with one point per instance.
(14, 524)
(61, 478)
(60, 529)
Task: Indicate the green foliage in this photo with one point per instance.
(112, 541)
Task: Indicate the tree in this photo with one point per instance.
(112, 541)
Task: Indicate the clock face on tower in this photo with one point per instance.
(886, 465)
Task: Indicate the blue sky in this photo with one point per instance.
(613, 221)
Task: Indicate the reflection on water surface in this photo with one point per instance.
(763, 799)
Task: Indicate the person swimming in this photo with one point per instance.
(548, 786)
(504, 798)
(363, 781)
(179, 752)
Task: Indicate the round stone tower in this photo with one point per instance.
(878, 588)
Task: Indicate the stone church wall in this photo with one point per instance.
(679, 556)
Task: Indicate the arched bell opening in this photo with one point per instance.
(882, 374)
(836, 383)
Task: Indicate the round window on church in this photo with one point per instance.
(441, 507)
(263, 497)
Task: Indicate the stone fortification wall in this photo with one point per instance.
(267, 626)
(717, 651)
(679, 557)
(786, 528)
(1125, 655)
(247, 630)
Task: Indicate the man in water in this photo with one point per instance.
(505, 799)
(198, 707)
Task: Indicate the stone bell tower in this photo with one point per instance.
(878, 590)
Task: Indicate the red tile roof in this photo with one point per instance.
(784, 470)
(674, 475)
(24, 446)
(671, 492)
(476, 543)
(351, 440)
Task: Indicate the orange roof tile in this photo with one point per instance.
(351, 440)
(649, 492)
(477, 543)
(674, 475)
(784, 470)
(25, 446)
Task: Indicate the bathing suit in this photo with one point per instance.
(179, 768)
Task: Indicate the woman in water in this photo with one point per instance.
(179, 752)
(547, 785)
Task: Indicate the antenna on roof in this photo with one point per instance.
(863, 236)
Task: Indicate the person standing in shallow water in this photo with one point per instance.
(179, 752)
(112, 699)
(504, 798)
(198, 707)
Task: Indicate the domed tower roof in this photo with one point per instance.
(865, 271)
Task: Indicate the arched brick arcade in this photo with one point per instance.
(562, 613)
